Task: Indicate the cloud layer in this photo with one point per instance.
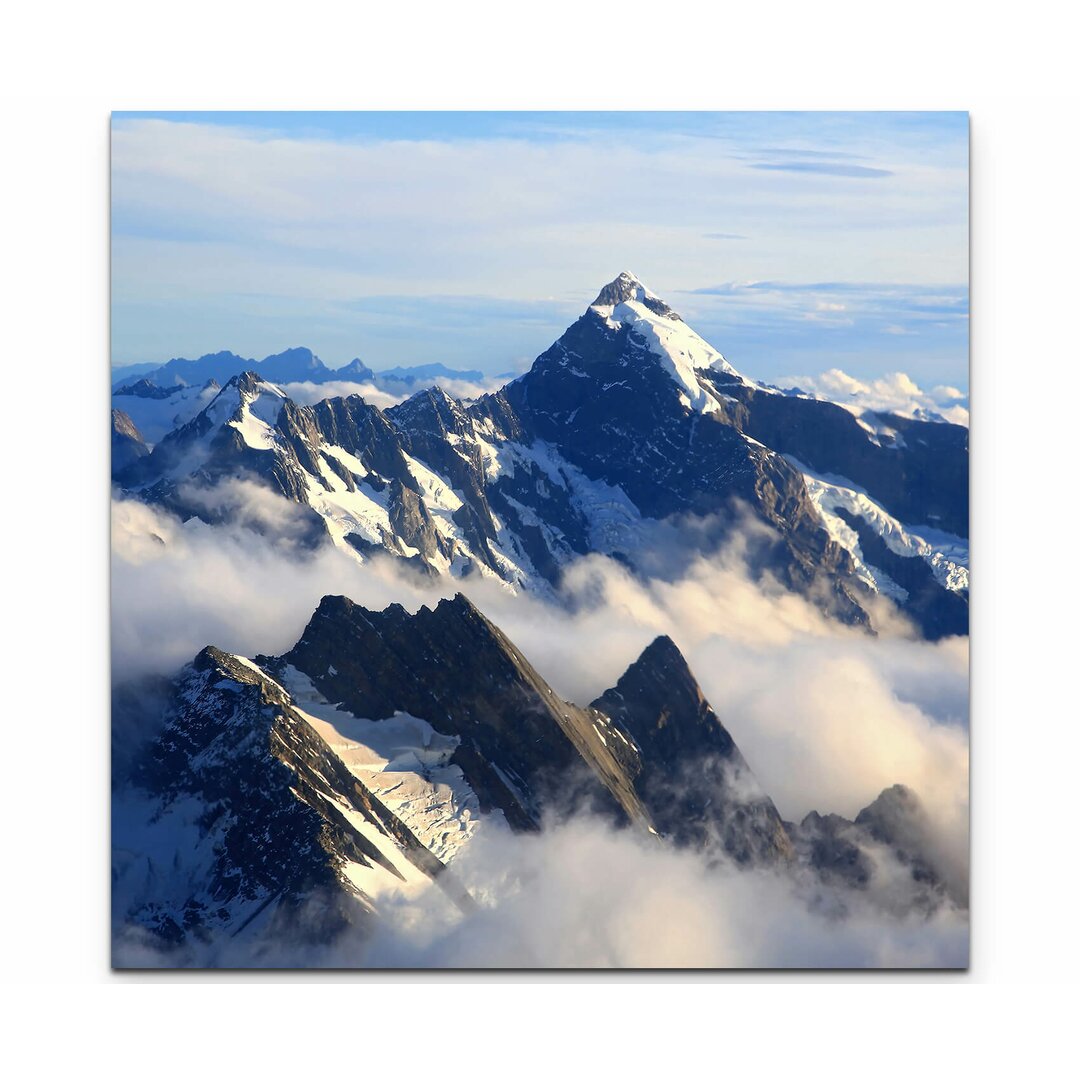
(895, 393)
(580, 894)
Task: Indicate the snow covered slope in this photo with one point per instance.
(157, 410)
(242, 810)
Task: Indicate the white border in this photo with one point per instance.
(68, 68)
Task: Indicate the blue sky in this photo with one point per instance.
(794, 242)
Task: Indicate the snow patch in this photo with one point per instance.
(946, 553)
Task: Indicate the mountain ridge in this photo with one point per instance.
(263, 808)
(629, 418)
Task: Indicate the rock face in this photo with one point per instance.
(247, 808)
(688, 771)
(630, 419)
(919, 473)
(240, 810)
(522, 748)
(606, 396)
(938, 611)
(128, 446)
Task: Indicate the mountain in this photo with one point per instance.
(355, 371)
(297, 364)
(157, 410)
(130, 372)
(689, 772)
(409, 379)
(849, 853)
(219, 366)
(630, 433)
(290, 797)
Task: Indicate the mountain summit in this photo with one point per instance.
(627, 287)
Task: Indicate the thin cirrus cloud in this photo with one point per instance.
(824, 168)
(919, 329)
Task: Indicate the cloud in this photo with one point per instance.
(821, 168)
(787, 152)
(223, 228)
(826, 716)
(893, 393)
(580, 894)
(309, 393)
(768, 328)
(463, 389)
(583, 895)
(391, 391)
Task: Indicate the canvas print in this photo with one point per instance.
(539, 540)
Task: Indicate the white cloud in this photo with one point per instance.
(311, 225)
(391, 392)
(583, 895)
(896, 393)
(310, 393)
(580, 894)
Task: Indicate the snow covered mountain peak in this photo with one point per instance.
(661, 331)
(628, 288)
(247, 392)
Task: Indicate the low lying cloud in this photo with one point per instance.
(894, 393)
(463, 389)
(310, 393)
(389, 392)
(580, 894)
(826, 716)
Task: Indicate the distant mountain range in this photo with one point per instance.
(291, 366)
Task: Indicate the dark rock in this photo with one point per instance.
(689, 772)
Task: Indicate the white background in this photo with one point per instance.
(64, 67)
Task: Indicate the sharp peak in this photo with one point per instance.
(247, 380)
(433, 396)
(661, 657)
(628, 286)
(623, 287)
(896, 797)
(662, 649)
(437, 391)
